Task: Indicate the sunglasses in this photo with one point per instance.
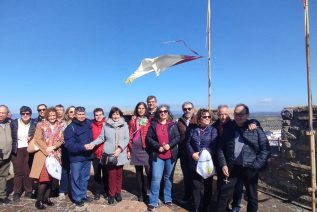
(25, 114)
(206, 117)
(239, 114)
(39, 110)
(187, 108)
(163, 111)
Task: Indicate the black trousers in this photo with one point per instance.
(250, 180)
(187, 175)
(202, 192)
(100, 177)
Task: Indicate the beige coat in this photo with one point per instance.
(40, 156)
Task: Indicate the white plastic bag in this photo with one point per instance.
(205, 166)
(53, 167)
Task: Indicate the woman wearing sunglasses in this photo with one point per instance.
(22, 130)
(162, 139)
(201, 137)
(64, 183)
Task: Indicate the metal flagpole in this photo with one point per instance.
(209, 56)
(310, 132)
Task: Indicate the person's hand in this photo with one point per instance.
(129, 155)
(89, 146)
(161, 149)
(225, 171)
(166, 147)
(252, 126)
(195, 156)
(117, 152)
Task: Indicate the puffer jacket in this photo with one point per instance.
(153, 143)
(255, 152)
(197, 141)
(14, 131)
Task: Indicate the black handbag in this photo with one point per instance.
(108, 160)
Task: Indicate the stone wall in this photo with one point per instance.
(288, 174)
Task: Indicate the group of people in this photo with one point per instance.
(151, 141)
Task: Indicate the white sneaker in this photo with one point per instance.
(61, 196)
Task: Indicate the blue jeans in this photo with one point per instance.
(80, 173)
(158, 168)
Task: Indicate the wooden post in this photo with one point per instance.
(209, 54)
(310, 132)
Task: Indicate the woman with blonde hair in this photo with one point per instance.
(63, 188)
(48, 137)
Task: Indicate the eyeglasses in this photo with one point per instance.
(71, 111)
(163, 111)
(25, 114)
(187, 108)
(206, 117)
(80, 109)
(39, 110)
(240, 114)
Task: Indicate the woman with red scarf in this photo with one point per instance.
(97, 124)
(138, 127)
(48, 137)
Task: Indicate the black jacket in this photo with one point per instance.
(255, 152)
(152, 142)
(197, 141)
(14, 132)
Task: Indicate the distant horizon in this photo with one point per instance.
(175, 113)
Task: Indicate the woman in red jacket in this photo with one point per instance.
(138, 127)
(97, 123)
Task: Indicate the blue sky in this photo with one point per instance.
(79, 52)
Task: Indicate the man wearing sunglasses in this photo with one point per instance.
(5, 151)
(23, 130)
(41, 108)
(184, 124)
(242, 153)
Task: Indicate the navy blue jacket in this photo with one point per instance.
(152, 142)
(76, 135)
(255, 152)
(14, 132)
(198, 140)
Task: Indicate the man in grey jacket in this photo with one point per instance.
(5, 151)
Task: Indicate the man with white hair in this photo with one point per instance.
(5, 151)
